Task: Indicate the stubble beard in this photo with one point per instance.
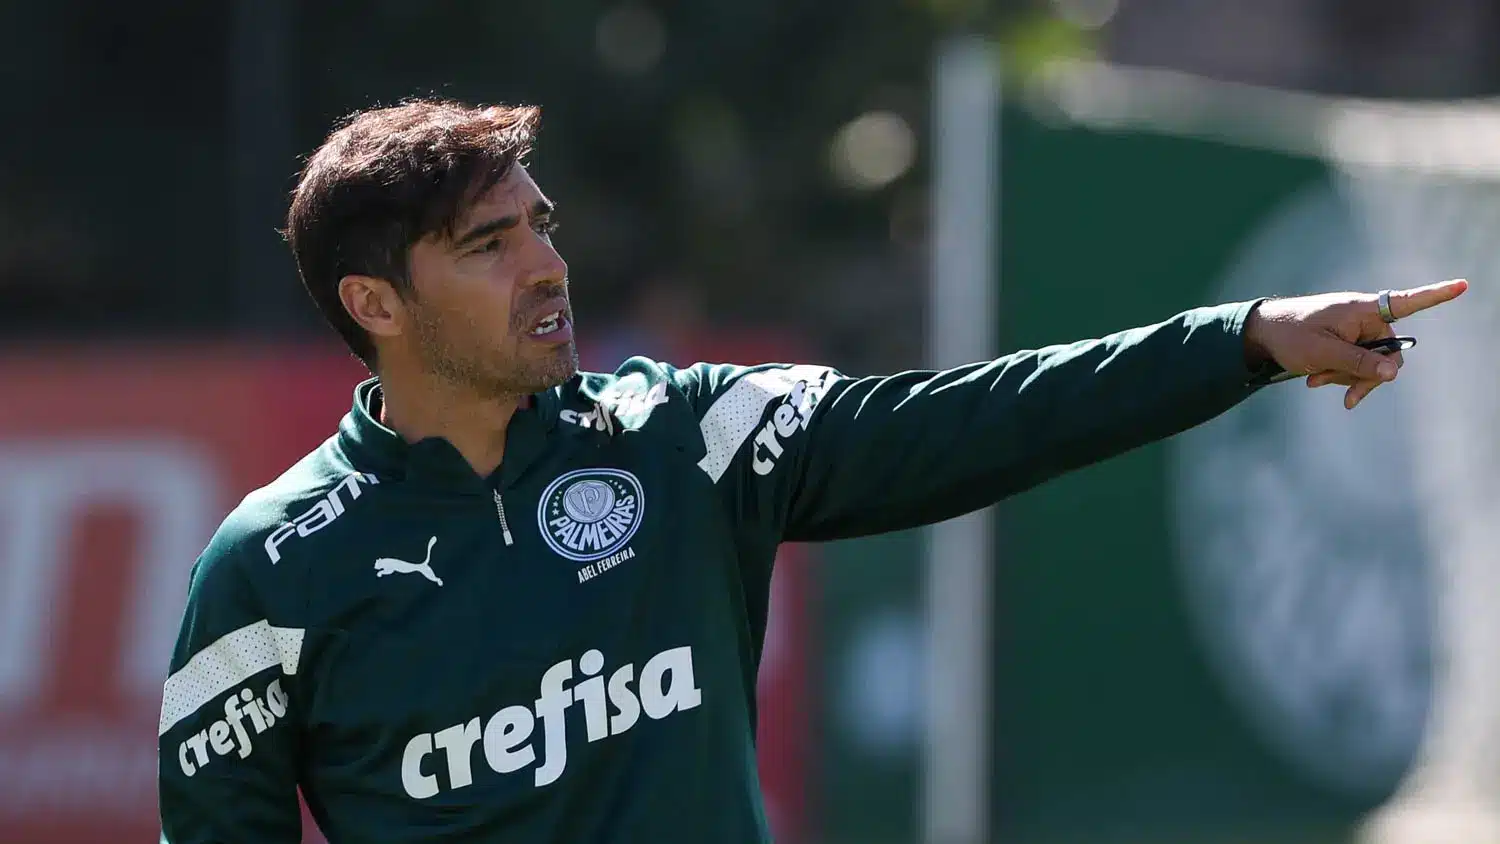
(486, 369)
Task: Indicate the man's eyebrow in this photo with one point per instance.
(540, 208)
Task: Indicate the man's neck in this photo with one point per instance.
(475, 425)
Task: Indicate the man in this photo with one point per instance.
(508, 601)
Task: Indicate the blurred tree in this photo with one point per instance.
(682, 138)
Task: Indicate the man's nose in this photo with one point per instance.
(546, 265)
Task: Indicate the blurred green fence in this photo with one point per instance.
(1200, 638)
(1203, 641)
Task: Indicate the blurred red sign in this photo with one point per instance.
(115, 468)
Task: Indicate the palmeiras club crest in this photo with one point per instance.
(588, 514)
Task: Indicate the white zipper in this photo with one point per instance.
(504, 525)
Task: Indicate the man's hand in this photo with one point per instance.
(1316, 335)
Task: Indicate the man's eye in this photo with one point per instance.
(547, 229)
(491, 246)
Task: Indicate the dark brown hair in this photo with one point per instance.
(386, 178)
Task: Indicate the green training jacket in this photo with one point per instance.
(566, 650)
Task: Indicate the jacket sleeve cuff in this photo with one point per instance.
(1233, 317)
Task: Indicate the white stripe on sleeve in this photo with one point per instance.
(734, 416)
(232, 659)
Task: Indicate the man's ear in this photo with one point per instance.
(374, 304)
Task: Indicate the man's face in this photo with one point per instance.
(490, 310)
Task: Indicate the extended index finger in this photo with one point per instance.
(1414, 300)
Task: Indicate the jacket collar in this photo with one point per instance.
(372, 447)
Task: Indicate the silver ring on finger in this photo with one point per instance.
(1383, 302)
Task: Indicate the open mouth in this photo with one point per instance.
(548, 324)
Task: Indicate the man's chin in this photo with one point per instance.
(561, 365)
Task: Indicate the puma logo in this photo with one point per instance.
(389, 565)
